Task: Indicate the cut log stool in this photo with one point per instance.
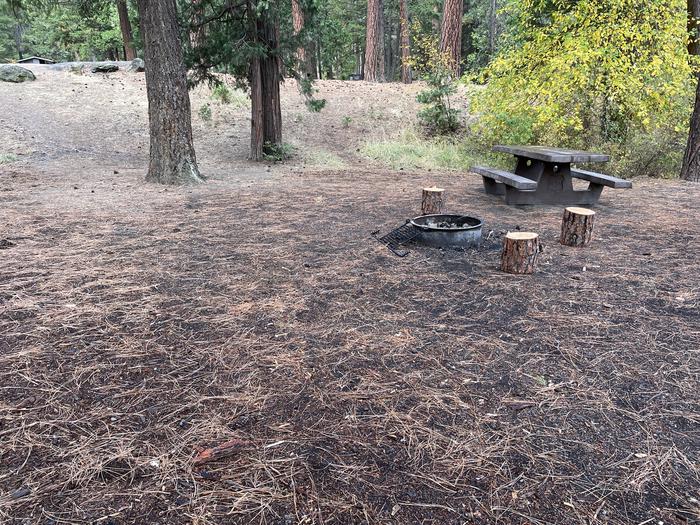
(432, 201)
(577, 226)
(520, 252)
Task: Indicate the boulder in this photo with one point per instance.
(13, 73)
(137, 66)
(105, 68)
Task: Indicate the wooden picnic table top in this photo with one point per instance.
(545, 154)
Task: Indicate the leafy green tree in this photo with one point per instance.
(590, 72)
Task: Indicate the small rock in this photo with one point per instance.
(137, 66)
(105, 68)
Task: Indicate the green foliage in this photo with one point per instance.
(277, 152)
(222, 93)
(608, 74)
(438, 117)
(60, 31)
(205, 113)
(347, 121)
(6, 158)
(306, 88)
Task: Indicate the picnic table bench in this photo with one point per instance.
(544, 176)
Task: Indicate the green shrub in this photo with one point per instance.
(6, 158)
(277, 152)
(205, 113)
(222, 93)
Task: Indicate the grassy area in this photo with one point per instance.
(6, 158)
(323, 158)
(412, 151)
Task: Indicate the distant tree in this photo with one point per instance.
(305, 50)
(374, 47)
(691, 161)
(451, 33)
(405, 42)
(172, 156)
(690, 169)
(127, 34)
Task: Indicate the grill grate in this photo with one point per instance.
(395, 238)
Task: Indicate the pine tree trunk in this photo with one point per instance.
(268, 28)
(125, 26)
(266, 113)
(306, 53)
(198, 31)
(691, 161)
(298, 24)
(693, 28)
(405, 41)
(451, 33)
(172, 157)
(492, 29)
(374, 49)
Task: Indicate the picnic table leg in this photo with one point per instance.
(492, 187)
(529, 168)
(554, 186)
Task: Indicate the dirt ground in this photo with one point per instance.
(140, 324)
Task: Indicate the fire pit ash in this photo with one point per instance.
(448, 231)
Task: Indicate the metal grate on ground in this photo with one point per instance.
(398, 237)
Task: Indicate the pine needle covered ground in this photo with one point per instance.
(141, 324)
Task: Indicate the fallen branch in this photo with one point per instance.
(221, 451)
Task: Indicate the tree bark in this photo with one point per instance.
(298, 24)
(520, 252)
(432, 201)
(127, 34)
(374, 48)
(577, 226)
(451, 33)
(198, 31)
(693, 18)
(492, 28)
(405, 42)
(691, 161)
(172, 156)
(268, 27)
(264, 78)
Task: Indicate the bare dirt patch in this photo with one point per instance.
(139, 324)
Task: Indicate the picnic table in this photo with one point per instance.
(545, 176)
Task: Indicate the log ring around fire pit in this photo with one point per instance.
(448, 231)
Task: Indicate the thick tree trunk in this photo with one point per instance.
(691, 161)
(451, 33)
(374, 49)
(266, 113)
(198, 31)
(125, 26)
(405, 42)
(172, 157)
(255, 80)
(270, 75)
(306, 53)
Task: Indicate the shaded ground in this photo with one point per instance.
(138, 323)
